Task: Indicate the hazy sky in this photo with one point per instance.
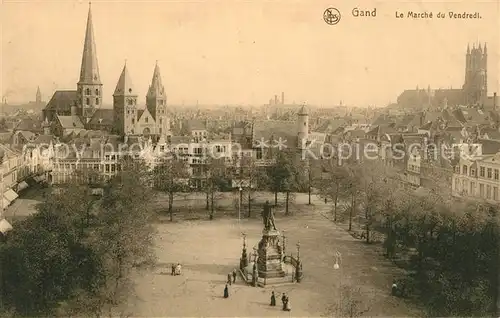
(246, 51)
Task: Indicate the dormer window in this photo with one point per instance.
(97, 101)
(97, 92)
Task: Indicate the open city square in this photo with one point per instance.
(158, 173)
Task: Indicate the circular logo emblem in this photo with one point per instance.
(331, 16)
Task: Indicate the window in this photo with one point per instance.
(160, 121)
(133, 121)
(146, 120)
(259, 153)
(97, 101)
(495, 193)
(161, 101)
(481, 172)
(472, 172)
(472, 186)
(496, 174)
(488, 192)
(464, 169)
(481, 190)
(87, 91)
(87, 101)
(107, 168)
(97, 92)
(130, 102)
(490, 173)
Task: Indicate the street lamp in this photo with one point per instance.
(239, 205)
(338, 262)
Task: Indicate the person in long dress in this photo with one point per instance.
(178, 269)
(283, 300)
(226, 292)
(288, 307)
(273, 299)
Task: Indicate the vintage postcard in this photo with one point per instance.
(258, 158)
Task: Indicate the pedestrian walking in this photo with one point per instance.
(394, 288)
(229, 280)
(283, 300)
(288, 307)
(234, 275)
(173, 269)
(273, 299)
(226, 292)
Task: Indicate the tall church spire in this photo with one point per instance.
(38, 95)
(156, 88)
(124, 86)
(89, 72)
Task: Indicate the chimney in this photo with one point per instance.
(275, 99)
(73, 110)
(495, 101)
(282, 98)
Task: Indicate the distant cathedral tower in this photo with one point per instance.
(476, 81)
(302, 127)
(156, 102)
(38, 99)
(125, 105)
(89, 87)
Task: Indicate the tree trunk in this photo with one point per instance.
(287, 200)
(309, 192)
(207, 205)
(351, 211)
(275, 197)
(367, 224)
(170, 206)
(249, 202)
(212, 206)
(335, 202)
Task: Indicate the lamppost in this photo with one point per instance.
(244, 257)
(337, 265)
(284, 243)
(298, 268)
(239, 204)
(255, 272)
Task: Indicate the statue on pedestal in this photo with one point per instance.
(268, 217)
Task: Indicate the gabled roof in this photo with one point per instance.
(331, 125)
(102, 116)
(29, 124)
(124, 85)
(70, 122)
(489, 146)
(44, 139)
(144, 113)
(267, 130)
(62, 101)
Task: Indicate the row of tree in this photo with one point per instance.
(285, 175)
(77, 255)
(450, 248)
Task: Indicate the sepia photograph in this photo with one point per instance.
(285, 158)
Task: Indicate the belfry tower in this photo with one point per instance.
(125, 104)
(476, 81)
(89, 87)
(156, 102)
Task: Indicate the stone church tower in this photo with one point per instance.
(302, 127)
(156, 102)
(476, 81)
(89, 87)
(125, 105)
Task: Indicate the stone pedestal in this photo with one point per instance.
(269, 262)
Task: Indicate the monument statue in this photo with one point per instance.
(268, 217)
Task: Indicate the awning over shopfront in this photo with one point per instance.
(5, 226)
(10, 195)
(23, 185)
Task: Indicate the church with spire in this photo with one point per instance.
(473, 93)
(81, 109)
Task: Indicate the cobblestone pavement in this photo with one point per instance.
(210, 250)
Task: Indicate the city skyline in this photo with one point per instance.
(210, 54)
